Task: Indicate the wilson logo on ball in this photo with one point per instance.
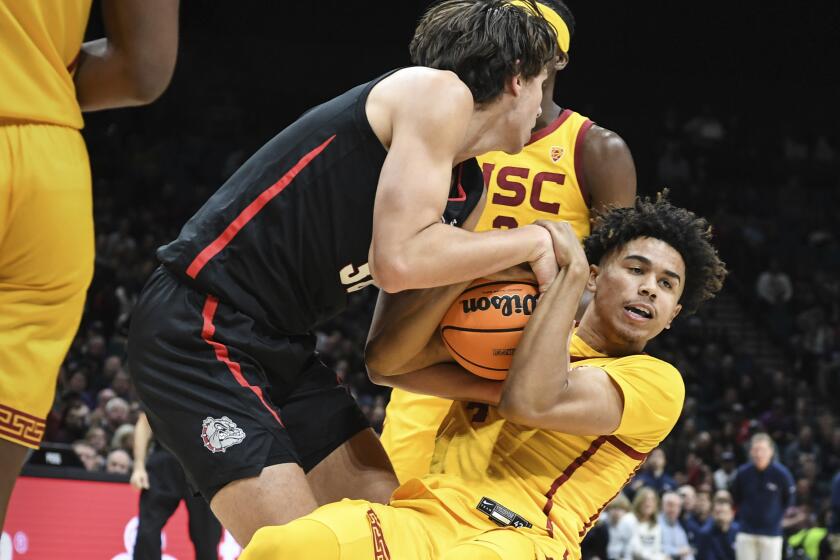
(507, 304)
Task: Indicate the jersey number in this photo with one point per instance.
(355, 278)
(515, 191)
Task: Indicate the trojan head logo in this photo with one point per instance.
(218, 434)
(556, 153)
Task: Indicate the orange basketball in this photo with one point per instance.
(484, 325)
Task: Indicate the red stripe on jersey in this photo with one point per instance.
(222, 354)
(584, 191)
(594, 518)
(380, 547)
(550, 127)
(252, 210)
(626, 449)
(566, 475)
(462, 194)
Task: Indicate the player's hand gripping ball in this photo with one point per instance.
(483, 326)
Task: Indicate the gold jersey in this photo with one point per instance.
(558, 482)
(39, 46)
(542, 182)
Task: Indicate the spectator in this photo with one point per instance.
(688, 519)
(805, 544)
(646, 542)
(123, 438)
(674, 539)
(654, 475)
(97, 439)
(726, 473)
(620, 527)
(830, 548)
(116, 413)
(763, 489)
(774, 286)
(88, 456)
(119, 462)
(703, 508)
(716, 541)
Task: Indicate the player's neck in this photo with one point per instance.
(594, 337)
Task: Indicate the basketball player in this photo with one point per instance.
(568, 167)
(528, 475)
(46, 228)
(353, 193)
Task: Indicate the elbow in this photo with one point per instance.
(148, 79)
(513, 410)
(148, 88)
(391, 274)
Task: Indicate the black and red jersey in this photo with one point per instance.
(286, 238)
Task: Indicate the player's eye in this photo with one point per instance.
(666, 283)
(635, 270)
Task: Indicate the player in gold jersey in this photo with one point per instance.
(46, 228)
(523, 468)
(568, 168)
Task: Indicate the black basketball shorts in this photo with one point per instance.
(227, 396)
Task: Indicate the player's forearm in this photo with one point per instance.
(403, 325)
(142, 437)
(539, 371)
(441, 254)
(134, 64)
(448, 381)
(107, 79)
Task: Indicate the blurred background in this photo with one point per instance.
(732, 106)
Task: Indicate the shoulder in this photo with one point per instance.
(426, 86)
(646, 365)
(782, 470)
(602, 143)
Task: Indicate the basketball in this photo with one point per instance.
(483, 326)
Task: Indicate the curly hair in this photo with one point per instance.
(683, 230)
(485, 42)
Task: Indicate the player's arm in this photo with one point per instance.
(541, 389)
(133, 64)
(608, 170)
(411, 248)
(142, 437)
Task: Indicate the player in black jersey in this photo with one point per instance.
(363, 189)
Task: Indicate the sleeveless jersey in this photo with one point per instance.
(286, 238)
(39, 47)
(542, 182)
(557, 482)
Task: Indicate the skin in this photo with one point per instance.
(723, 515)
(134, 63)
(761, 453)
(642, 273)
(427, 121)
(610, 176)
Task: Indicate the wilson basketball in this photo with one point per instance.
(483, 326)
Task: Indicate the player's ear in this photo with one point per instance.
(514, 84)
(561, 60)
(677, 310)
(591, 284)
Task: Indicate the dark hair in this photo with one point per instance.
(681, 229)
(564, 12)
(484, 42)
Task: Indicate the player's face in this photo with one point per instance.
(637, 290)
(525, 110)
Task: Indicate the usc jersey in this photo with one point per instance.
(39, 47)
(542, 182)
(558, 482)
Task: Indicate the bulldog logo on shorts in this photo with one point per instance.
(220, 433)
(556, 153)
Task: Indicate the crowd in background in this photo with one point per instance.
(771, 198)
